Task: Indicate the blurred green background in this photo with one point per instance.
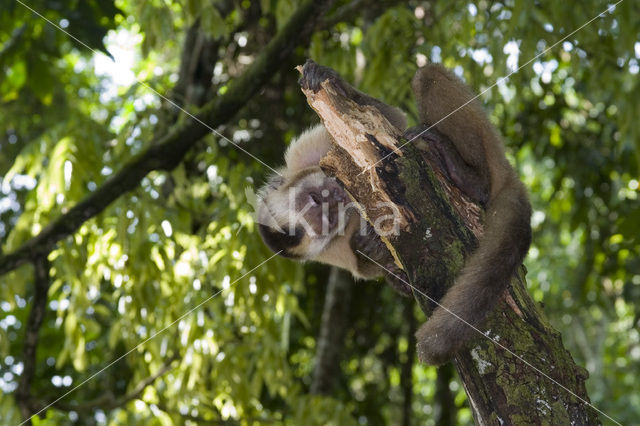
(71, 117)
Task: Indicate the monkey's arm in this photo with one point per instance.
(441, 153)
(314, 75)
(368, 245)
(447, 104)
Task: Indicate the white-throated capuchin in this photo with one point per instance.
(302, 212)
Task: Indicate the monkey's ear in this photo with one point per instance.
(308, 149)
(275, 181)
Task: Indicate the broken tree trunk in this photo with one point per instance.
(518, 373)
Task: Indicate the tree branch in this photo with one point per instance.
(445, 403)
(32, 331)
(366, 9)
(519, 371)
(406, 370)
(335, 323)
(166, 152)
(9, 45)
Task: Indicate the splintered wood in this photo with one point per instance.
(367, 137)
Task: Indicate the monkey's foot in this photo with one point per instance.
(313, 75)
(415, 132)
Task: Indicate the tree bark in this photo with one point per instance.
(519, 373)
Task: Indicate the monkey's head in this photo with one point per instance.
(301, 213)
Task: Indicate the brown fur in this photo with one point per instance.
(507, 232)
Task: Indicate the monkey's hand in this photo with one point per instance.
(435, 345)
(441, 153)
(313, 75)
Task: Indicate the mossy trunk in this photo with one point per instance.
(518, 373)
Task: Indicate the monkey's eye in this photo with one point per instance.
(315, 197)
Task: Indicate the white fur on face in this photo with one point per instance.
(305, 152)
(308, 148)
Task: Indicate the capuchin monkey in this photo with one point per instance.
(305, 214)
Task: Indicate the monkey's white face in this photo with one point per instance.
(301, 214)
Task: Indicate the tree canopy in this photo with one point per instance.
(134, 286)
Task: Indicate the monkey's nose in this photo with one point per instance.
(333, 218)
(338, 195)
(315, 198)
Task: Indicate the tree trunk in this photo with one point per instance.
(519, 373)
(41, 283)
(333, 328)
(406, 371)
(445, 404)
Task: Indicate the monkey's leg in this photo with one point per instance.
(443, 154)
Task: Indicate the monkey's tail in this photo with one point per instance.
(484, 277)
